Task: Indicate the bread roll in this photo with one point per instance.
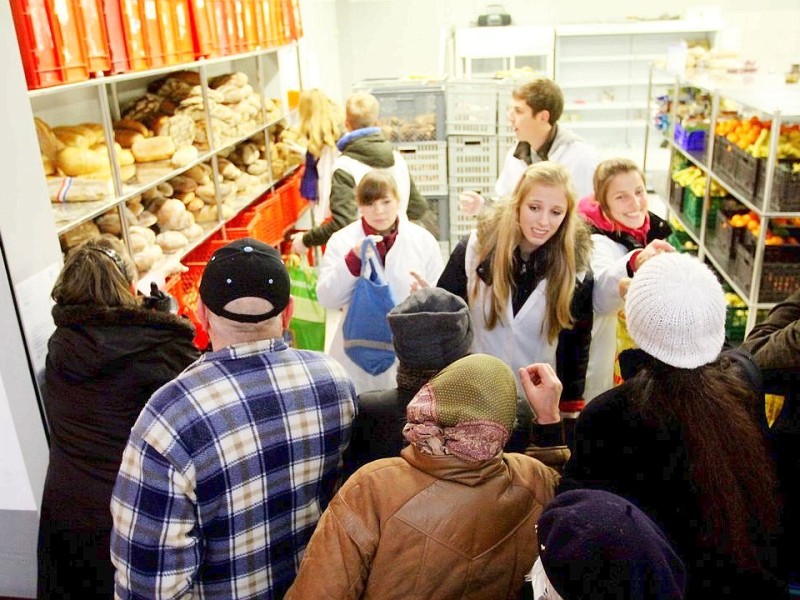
(146, 258)
(198, 174)
(146, 219)
(171, 241)
(170, 215)
(183, 156)
(193, 232)
(182, 184)
(160, 147)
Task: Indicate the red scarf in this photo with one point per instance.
(589, 209)
(354, 261)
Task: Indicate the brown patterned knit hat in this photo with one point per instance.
(467, 410)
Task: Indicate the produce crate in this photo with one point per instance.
(726, 237)
(735, 323)
(737, 167)
(693, 208)
(693, 140)
(471, 108)
(675, 196)
(409, 112)
(785, 194)
(268, 225)
(472, 160)
(778, 279)
(427, 164)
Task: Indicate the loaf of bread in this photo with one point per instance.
(79, 160)
(160, 147)
(127, 137)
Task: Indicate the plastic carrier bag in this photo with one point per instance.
(308, 320)
(367, 336)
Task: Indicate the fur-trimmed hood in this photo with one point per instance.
(583, 246)
(93, 340)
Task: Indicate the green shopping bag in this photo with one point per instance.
(308, 320)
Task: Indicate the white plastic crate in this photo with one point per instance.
(427, 164)
(504, 144)
(460, 224)
(472, 158)
(471, 107)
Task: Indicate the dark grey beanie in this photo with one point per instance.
(431, 329)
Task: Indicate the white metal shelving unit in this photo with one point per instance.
(753, 94)
(482, 51)
(99, 100)
(603, 70)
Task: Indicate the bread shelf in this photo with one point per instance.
(99, 100)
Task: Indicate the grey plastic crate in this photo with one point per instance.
(471, 158)
(410, 111)
(441, 209)
(471, 107)
(427, 163)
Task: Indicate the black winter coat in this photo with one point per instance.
(103, 364)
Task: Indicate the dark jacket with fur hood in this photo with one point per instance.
(572, 354)
(103, 364)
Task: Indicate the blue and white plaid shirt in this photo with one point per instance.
(226, 473)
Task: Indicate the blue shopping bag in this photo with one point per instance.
(367, 336)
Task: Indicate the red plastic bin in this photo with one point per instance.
(268, 224)
(182, 22)
(68, 34)
(37, 46)
(93, 23)
(291, 9)
(224, 17)
(204, 30)
(153, 35)
(134, 34)
(115, 32)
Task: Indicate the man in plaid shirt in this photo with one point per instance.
(230, 466)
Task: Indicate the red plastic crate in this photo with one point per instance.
(291, 9)
(115, 31)
(93, 23)
(224, 16)
(250, 22)
(37, 46)
(243, 218)
(262, 22)
(68, 35)
(204, 30)
(153, 36)
(268, 224)
(240, 41)
(183, 30)
(166, 20)
(134, 34)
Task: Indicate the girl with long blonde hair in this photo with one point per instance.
(523, 273)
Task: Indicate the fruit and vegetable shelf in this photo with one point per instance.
(735, 180)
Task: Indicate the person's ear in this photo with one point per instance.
(542, 115)
(202, 314)
(287, 313)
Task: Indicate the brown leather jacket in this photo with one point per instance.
(420, 527)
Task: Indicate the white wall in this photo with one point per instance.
(391, 38)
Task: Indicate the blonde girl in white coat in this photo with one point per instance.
(524, 275)
(402, 246)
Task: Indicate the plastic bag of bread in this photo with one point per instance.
(72, 189)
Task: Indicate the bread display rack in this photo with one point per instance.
(183, 148)
(749, 231)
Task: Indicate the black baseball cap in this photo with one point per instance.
(245, 268)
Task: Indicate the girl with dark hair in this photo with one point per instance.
(402, 247)
(681, 439)
(106, 357)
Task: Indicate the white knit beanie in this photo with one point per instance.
(675, 310)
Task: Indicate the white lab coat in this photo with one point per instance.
(579, 158)
(414, 249)
(609, 262)
(521, 339)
